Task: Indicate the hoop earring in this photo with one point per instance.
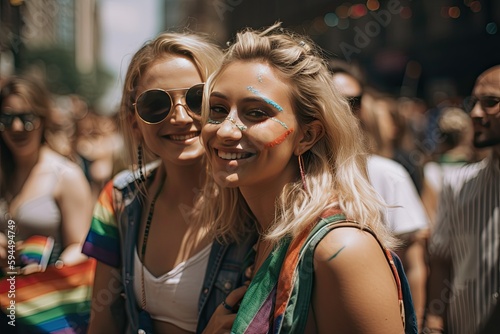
(302, 172)
(139, 164)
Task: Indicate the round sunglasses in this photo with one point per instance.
(30, 120)
(154, 105)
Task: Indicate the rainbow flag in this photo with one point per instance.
(54, 301)
(37, 249)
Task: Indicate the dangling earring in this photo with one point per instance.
(139, 164)
(302, 173)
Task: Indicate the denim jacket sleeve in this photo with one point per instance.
(128, 216)
(225, 272)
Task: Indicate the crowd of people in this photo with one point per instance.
(256, 189)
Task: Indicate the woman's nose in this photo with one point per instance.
(230, 128)
(17, 124)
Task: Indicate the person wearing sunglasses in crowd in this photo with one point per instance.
(154, 261)
(284, 151)
(464, 258)
(42, 193)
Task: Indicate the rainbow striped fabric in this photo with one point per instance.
(54, 301)
(278, 298)
(37, 250)
(102, 242)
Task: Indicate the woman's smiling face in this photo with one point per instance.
(176, 138)
(252, 131)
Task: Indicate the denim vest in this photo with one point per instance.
(224, 272)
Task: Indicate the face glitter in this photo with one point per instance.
(278, 121)
(267, 100)
(230, 119)
(279, 140)
(239, 126)
(259, 77)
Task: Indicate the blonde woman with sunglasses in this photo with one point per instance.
(157, 270)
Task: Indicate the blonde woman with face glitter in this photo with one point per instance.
(284, 151)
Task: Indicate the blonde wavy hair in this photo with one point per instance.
(200, 49)
(335, 166)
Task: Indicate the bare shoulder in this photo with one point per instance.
(70, 176)
(351, 269)
(68, 170)
(348, 241)
(342, 247)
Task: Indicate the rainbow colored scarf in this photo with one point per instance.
(54, 301)
(277, 301)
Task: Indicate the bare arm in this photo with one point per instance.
(438, 287)
(413, 255)
(440, 265)
(355, 290)
(75, 202)
(106, 292)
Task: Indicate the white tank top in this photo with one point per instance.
(173, 297)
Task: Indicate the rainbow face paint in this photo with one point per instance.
(279, 140)
(241, 127)
(280, 122)
(267, 100)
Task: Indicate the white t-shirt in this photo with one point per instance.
(393, 183)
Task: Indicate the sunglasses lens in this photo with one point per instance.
(29, 120)
(194, 97)
(489, 102)
(5, 121)
(153, 106)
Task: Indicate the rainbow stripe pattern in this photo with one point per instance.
(37, 249)
(54, 301)
(102, 242)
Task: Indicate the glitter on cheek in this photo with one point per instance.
(277, 120)
(279, 140)
(267, 100)
(212, 121)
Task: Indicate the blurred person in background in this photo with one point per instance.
(453, 150)
(464, 283)
(100, 148)
(388, 134)
(168, 273)
(42, 192)
(405, 216)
